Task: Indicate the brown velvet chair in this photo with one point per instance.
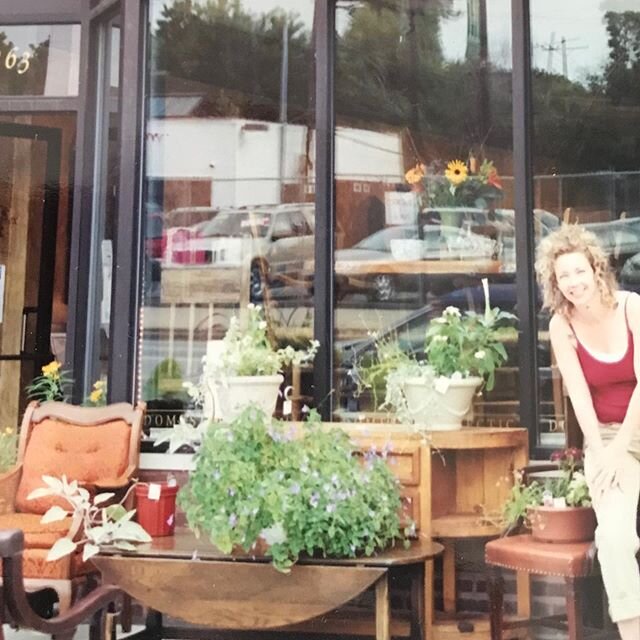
(97, 446)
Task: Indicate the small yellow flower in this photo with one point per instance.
(415, 175)
(99, 385)
(52, 370)
(95, 396)
(456, 172)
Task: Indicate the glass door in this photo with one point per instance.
(29, 193)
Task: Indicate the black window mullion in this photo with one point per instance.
(325, 204)
(524, 233)
(80, 258)
(126, 272)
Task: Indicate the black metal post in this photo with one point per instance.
(523, 203)
(127, 250)
(325, 204)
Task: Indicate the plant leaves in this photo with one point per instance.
(102, 497)
(62, 547)
(89, 551)
(131, 531)
(54, 483)
(54, 514)
(40, 492)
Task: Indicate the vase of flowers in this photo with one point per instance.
(263, 484)
(556, 508)
(464, 184)
(245, 368)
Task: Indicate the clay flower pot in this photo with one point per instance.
(562, 524)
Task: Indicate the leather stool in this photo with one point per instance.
(574, 562)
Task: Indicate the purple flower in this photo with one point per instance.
(331, 508)
(233, 520)
(216, 475)
(295, 488)
(314, 500)
(231, 491)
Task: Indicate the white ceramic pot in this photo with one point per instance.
(234, 393)
(436, 410)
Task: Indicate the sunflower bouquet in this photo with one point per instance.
(463, 184)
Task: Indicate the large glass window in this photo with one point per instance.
(423, 104)
(229, 189)
(586, 92)
(39, 60)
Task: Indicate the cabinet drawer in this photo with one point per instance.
(405, 466)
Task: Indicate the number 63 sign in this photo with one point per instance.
(16, 60)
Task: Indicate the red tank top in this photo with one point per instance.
(611, 383)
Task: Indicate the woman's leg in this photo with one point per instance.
(617, 543)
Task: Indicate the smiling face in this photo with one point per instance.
(576, 278)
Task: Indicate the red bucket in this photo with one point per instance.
(156, 514)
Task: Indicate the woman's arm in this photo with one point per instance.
(573, 377)
(632, 417)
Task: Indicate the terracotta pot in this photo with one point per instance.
(156, 516)
(563, 524)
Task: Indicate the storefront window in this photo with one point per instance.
(229, 189)
(39, 60)
(586, 75)
(424, 204)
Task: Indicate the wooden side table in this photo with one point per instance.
(449, 479)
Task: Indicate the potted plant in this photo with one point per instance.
(95, 520)
(556, 508)
(297, 490)
(462, 351)
(245, 367)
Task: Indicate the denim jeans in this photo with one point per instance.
(616, 538)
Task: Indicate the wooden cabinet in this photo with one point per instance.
(450, 479)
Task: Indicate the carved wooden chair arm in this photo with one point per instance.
(15, 598)
(8, 488)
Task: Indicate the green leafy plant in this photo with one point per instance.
(568, 488)
(8, 448)
(457, 345)
(96, 522)
(467, 344)
(249, 351)
(50, 384)
(299, 490)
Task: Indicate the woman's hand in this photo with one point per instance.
(608, 463)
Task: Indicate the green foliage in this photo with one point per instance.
(249, 352)
(50, 384)
(300, 492)
(569, 485)
(467, 344)
(8, 448)
(165, 380)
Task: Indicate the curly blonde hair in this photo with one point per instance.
(572, 238)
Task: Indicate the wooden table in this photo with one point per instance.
(194, 581)
(369, 267)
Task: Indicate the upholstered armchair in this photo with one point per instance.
(97, 446)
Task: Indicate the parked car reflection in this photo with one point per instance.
(274, 242)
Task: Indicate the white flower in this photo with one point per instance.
(440, 338)
(274, 534)
(452, 311)
(456, 375)
(262, 324)
(479, 354)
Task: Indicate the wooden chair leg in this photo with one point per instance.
(574, 609)
(126, 614)
(383, 613)
(496, 601)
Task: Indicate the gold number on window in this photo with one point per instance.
(24, 63)
(11, 59)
